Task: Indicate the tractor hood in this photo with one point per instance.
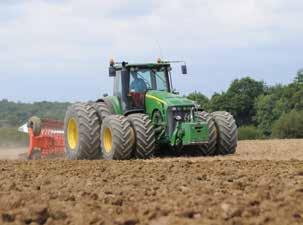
(169, 99)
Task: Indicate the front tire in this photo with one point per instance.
(117, 138)
(145, 135)
(103, 110)
(82, 132)
(210, 148)
(227, 132)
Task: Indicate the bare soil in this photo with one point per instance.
(261, 184)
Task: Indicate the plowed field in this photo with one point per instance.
(261, 184)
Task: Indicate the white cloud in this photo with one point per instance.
(55, 38)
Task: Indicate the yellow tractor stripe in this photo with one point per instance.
(155, 98)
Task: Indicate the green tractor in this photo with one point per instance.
(145, 115)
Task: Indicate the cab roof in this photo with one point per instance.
(143, 65)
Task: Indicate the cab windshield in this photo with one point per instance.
(142, 80)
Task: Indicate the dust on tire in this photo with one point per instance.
(88, 146)
(227, 132)
(145, 135)
(122, 138)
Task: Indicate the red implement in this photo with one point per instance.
(50, 140)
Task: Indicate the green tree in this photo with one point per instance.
(14, 114)
(279, 100)
(267, 112)
(290, 125)
(200, 98)
(239, 99)
(299, 77)
(248, 133)
(219, 102)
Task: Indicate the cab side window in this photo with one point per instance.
(118, 84)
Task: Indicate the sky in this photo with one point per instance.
(59, 50)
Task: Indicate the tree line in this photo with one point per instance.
(14, 114)
(261, 111)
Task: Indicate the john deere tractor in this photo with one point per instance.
(145, 115)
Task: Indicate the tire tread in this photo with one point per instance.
(228, 134)
(145, 135)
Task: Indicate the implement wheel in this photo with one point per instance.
(117, 138)
(36, 155)
(210, 148)
(36, 125)
(82, 132)
(227, 132)
(144, 134)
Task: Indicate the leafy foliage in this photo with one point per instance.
(201, 99)
(257, 108)
(260, 111)
(15, 114)
(279, 101)
(289, 125)
(248, 133)
(239, 99)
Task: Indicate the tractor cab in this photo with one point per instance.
(133, 81)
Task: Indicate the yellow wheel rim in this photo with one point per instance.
(107, 140)
(72, 134)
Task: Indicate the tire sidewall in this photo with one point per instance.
(36, 124)
(142, 118)
(107, 155)
(225, 150)
(71, 154)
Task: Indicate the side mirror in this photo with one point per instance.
(184, 69)
(112, 71)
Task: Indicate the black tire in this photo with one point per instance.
(227, 132)
(102, 109)
(36, 125)
(109, 105)
(87, 128)
(117, 138)
(36, 155)
(210, 148)
(145, 144)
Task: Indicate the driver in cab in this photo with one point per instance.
(138, 84)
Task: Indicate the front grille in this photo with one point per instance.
(182, 111)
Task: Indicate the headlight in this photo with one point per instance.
(178, 118)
